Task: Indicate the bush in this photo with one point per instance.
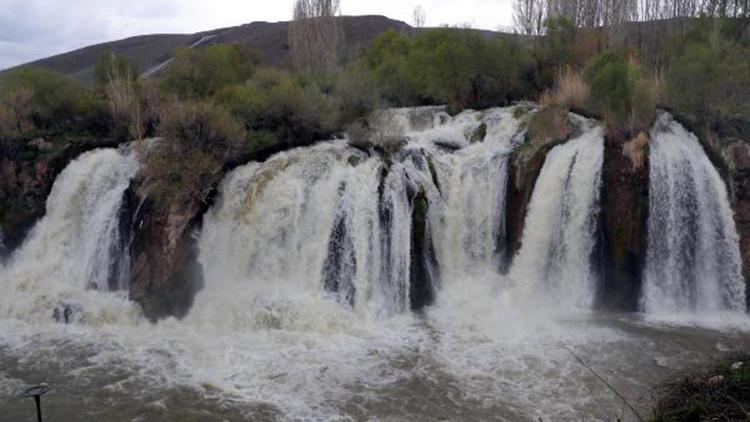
(297, 111)
(622, 93)
(387, 58)
(710, 83)
(112, 66)
(570, 91)
(198, 140)
(357, 91)
(55, 100)
(198, 73)
(611, 86)
(461, 68)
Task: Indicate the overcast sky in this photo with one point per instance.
(33, 29)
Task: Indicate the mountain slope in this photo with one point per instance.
(150, 51)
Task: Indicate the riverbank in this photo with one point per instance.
(719, 394)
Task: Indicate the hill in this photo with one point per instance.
(151, 52)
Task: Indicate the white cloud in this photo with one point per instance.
(32, 29)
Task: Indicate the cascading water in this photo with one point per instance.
(560, 229)
(311, 262)
(79, 245)
(469, 222)
(333, 218)
(693, 261)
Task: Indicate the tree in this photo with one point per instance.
(529, 16)
(419, 17)
(198, 73)
(55, 99)
(18, 101)
(118, 79)
(316, 36)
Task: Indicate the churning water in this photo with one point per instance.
(309, 261)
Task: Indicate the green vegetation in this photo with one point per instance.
(720, 394)
(111, 66)
(204, 137)
(425, 69)
(200, 73)
(709, 77)
(39, 99)
(227, 92)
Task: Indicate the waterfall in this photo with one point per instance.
(693, 259)
(304, 223)
(560, 230)
(331, 220)
(470, 225)
(80, 244)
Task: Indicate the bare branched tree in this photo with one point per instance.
(530, 15)
(18, 101)
(122, 96)
(525, 15)
(316, 36)
(419, 17)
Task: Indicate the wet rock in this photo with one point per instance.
(424, 276)
(715, 381)
(41, 144)
(479, 133)
(739, 188)
(67, 314)
(165, 274)
(624, 218)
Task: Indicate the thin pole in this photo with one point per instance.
(38, 401)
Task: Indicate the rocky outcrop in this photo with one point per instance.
(423, 273)
(623, 221)
(739, 187)
(28, 170)
(165, 273)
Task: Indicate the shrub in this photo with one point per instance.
(55, 99)
(198, 73)
(198, 139)
(461, 68)
(622, 93)
(8, 121)
(387, 59)
(112, 66)
(297, 111)
(357, 91)
(611, 86)
(570, 90)
(710, 83)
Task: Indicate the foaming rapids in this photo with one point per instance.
(79, 248)
(555, 260)
(313, 261)
(693, 262)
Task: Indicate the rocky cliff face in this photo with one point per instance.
(739, 186)
(623, 221)
(165, 274)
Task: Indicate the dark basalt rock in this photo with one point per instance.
(165, 273)
(340, 263)
(739, 188)
(423, 274)
(623, 224)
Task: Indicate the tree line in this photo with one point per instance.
(530, 15)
